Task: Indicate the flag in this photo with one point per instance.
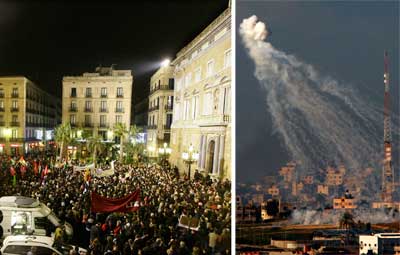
(129, 203)
(22, 169)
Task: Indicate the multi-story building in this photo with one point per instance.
(27, 116)
(161, 100)
(288, 172)
(344, 203)
(95, 102)
(202, 100)
(334, 177)
(380, 243)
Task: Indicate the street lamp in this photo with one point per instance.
(164, 152)
(190, 157)
(165, 62)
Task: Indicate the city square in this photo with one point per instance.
(102, 156)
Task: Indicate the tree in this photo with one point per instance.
(62, 134)
(347, 220)
(95, 146)
(121, 131)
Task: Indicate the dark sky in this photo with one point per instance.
(344, 40)
(45, 40)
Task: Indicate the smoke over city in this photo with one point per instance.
(319, 120)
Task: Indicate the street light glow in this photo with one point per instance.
(165, 62)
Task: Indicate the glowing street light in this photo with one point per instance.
(190, 157)
(165, 62)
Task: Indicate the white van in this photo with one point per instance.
(24, 215)
(43, 245)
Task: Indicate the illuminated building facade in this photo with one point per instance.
(28, 116)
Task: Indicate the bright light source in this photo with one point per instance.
(165, 62)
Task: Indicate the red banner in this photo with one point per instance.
(129, 203)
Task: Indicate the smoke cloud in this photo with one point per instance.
(318, 119)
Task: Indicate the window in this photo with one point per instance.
(103, 92)
(88, 106)
(118, 118)
(207, 104)
(88, 120)
(197, 75)
(195, 103)
(73, 92)
(14, 92)
(227, 100)
(73, 105)
(14, 133)
(169, 121)
(119, 106)
(15, 118)
(210, 68)
(15, 105)
(88, 92)
(103, 120)
(2, 104)
(1, 92)
(171, 83)
(72, 119)
(103, 106)
(120, 92)
(227, 58)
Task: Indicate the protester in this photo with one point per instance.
(152, 229)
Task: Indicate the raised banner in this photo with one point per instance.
(129, 203)
(83, 168)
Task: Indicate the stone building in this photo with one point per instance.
(27, 116)
(95, 102)
(202, 100)
(160, 103)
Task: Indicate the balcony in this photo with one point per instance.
(14, 109)
(14, 124)
(88, 95)
(119, 110)
(73, 95)
(88, 110)
(120, 95)
(160, 87)
(103, 125)
(88, 125)
(168, 107)
(14, 95)
(167, 127)
(103, 110)
(152, 127)
(154, 108)
(73, 109)
(2, 109)
(2, 123)
(103, 96)
(1, 95)
(74, 124)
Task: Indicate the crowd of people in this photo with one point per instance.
(154, 228)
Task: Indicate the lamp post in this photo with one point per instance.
(190, 157)
(164, 151)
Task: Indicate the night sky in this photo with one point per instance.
(344, 40)
(47, 40)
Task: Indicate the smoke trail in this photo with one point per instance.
(318, 119)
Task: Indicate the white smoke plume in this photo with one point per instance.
(365, 215)
(319, 120)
